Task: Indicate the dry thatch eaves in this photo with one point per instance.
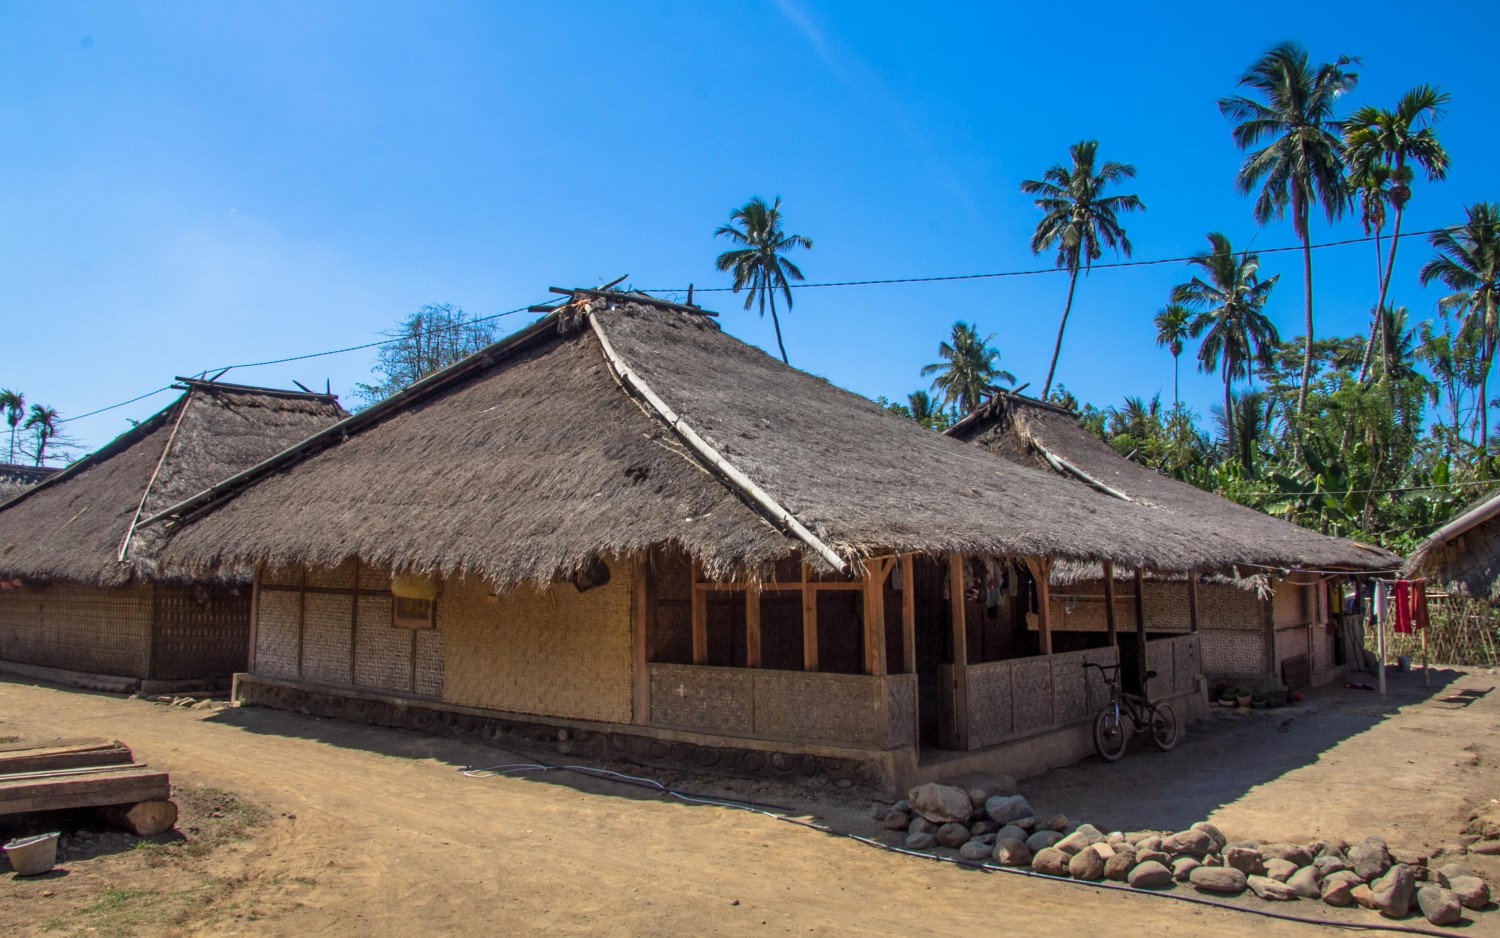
(530, 458)
(82, 523)
(1031, 433)
(1464, 554)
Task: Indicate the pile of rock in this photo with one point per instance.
(996, 825)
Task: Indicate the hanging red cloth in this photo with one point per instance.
(1403, 608)
(1419, 604)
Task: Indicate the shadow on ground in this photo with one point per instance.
(1232, 752)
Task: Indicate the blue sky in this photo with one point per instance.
(184, 186)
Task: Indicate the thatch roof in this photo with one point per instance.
(1464, 554)
(16, 478)
(74, 523)
(526, 460)
(1031, 433)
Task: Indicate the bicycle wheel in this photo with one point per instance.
(1110, 734)
(1163, 726)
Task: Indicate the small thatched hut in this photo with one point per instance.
(622, 529)
(81, 595)
(1265, 614)
(15, 479)
(1464, 555)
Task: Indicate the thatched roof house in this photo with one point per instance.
(85, 592)
(1049, 438)
(626, 525)
(1464, 554)
(15, 478)
(1263, 616)
(536, 438)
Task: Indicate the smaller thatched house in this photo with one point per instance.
(81, 596)
(1266, 613)
(623, 531)
(15, 479)
(1463, 555)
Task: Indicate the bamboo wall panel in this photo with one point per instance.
(278, 624)
(200, 632)
(80, 628)
(429, 663)
(382, 652)
(555, 652)
(327, 622)
(1021, 697)
(340, 577)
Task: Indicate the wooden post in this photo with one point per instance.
(1041, 573)
(1268, 632)
(700, 618)
(876, 572)
(254, 621)
(960, 627)
(1192, 602)
(752, 625)
(645, 610)
(1109, 604)
(1140, 624)
(354, 626)
(809, 621)
(909, 613)
(301, 616)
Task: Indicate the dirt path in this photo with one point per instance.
(375, 831)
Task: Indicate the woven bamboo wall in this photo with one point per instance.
(556, 652)
(79, 628)
(200, 632)
(334, 626)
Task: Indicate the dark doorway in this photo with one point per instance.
(934, 641)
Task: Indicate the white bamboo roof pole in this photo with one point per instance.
(703, 448)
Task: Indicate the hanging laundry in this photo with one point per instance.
(1419, 604)
(1402, 617)
(1335, 600)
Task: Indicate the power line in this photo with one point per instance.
(295, 358)
(1037, 271)
(116, 406)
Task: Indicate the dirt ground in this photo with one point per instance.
(293, 825)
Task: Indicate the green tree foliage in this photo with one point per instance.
(1301, 164)
(425, 342)
(1383, 144)
(969, 371)
(43, 424)
(14, 405)
(758, 264)
(1229, 299)
(1079, 220)
(1173, 326)
(1468, 262)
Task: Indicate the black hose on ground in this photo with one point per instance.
(771, 811)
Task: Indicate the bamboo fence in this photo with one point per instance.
(1462, 631)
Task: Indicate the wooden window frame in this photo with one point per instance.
(427, 621)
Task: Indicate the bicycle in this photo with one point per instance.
(1156, 721)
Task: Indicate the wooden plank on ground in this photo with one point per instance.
(126, 785)
(42, 759)
(82, 742)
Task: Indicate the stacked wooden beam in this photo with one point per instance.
(63, 774)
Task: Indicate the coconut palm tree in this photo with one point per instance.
(969, 370)
(1079, 220)
(758, 265)
(1468, 262)
(1229, 299)
(42, 422)
(1370, 188)
(924, 409)
(14, 405)
(1393, 140)
(1301, 164)
(1171, 332)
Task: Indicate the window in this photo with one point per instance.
(414, 613)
